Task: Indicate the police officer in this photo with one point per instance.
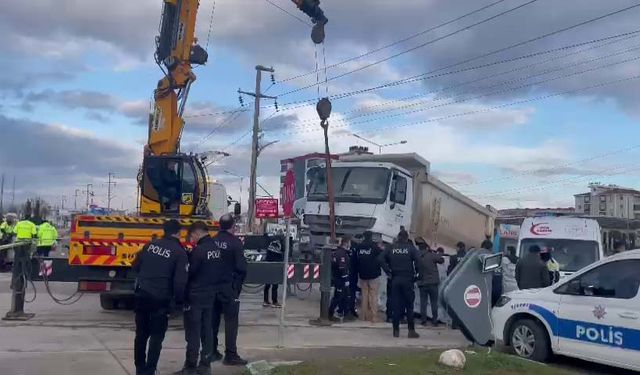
(199, 305)
(162, 268)
(340, 264)
(230, 271)
(47, 237)
(399, 260)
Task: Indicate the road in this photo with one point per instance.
(83, 338)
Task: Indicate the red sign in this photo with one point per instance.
(289, 194)
(540, 229)
(266, 208)
(472, 296)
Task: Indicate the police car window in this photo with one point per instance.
(618, 279)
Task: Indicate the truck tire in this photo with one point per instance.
(530, 340)
(107, 302)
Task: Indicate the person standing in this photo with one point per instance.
(399, 261)
(531, 272)
(274, 254)
(369, 272)
(199, 305)
(619, 246)
(230, 272)
(25, 229)
(353, 278)
(428, 280)
(509, 261)
(461, 252)
(47, 237)
(340, 264)
(162, 268)
(552, 265)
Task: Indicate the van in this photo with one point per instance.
(574, 242)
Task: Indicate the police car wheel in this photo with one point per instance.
(529, 340)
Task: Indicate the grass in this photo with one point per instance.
(493, 363)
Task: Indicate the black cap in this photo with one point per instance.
(534, 249)
(368, 235)
(171, 227)
(226, 222)
(403, 235)
(198, 226)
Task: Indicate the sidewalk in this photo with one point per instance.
(82, 338)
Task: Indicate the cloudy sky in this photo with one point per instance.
(517, 103)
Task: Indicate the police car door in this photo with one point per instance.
(599, 313)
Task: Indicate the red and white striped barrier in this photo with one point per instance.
(316, 271)
(306, 271)
(290, 271)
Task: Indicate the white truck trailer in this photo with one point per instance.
(381, 193)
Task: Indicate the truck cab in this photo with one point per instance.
(373, 196)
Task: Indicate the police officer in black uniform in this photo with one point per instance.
(162, 268)
(340, 264)
(230, 271)
(399, 260)
(199, 307)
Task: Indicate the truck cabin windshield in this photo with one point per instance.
(351, 184)
(571, 255)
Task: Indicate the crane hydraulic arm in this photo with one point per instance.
(176, 51)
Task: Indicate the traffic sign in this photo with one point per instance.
(472, 296)
(289, 194)
(266, 208)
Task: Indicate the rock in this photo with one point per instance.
(453, 358)
(266, 368)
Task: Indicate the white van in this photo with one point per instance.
(575, 242)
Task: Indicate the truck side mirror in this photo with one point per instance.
(237, 209)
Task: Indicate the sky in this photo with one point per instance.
(516, 103)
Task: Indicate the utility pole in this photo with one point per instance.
(109, 197)
(89, 194)
(255, 146)
(13, 194)
(2, 195)
(75, 199)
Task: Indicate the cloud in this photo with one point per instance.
(47, 158)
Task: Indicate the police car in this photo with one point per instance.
(593, 314)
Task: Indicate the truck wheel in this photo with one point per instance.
(107, 302)
(530, 340)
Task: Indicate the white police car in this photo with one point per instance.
(593, 314)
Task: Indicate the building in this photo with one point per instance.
(609, 200)
(533, 212)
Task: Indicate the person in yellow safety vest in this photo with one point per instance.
(552, 265)
(47, 237)
(25, 230)
(6, 236)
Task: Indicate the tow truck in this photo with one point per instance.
(171, 184)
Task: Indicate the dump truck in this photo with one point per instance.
(383, 193)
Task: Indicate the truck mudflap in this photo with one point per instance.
(59, 270)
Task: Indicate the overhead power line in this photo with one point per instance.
(288, 13)
(425, 76)
(415, 47)
(470, 98)
(379, 130)
(496, 51)
(405, 39)
(310, 122)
